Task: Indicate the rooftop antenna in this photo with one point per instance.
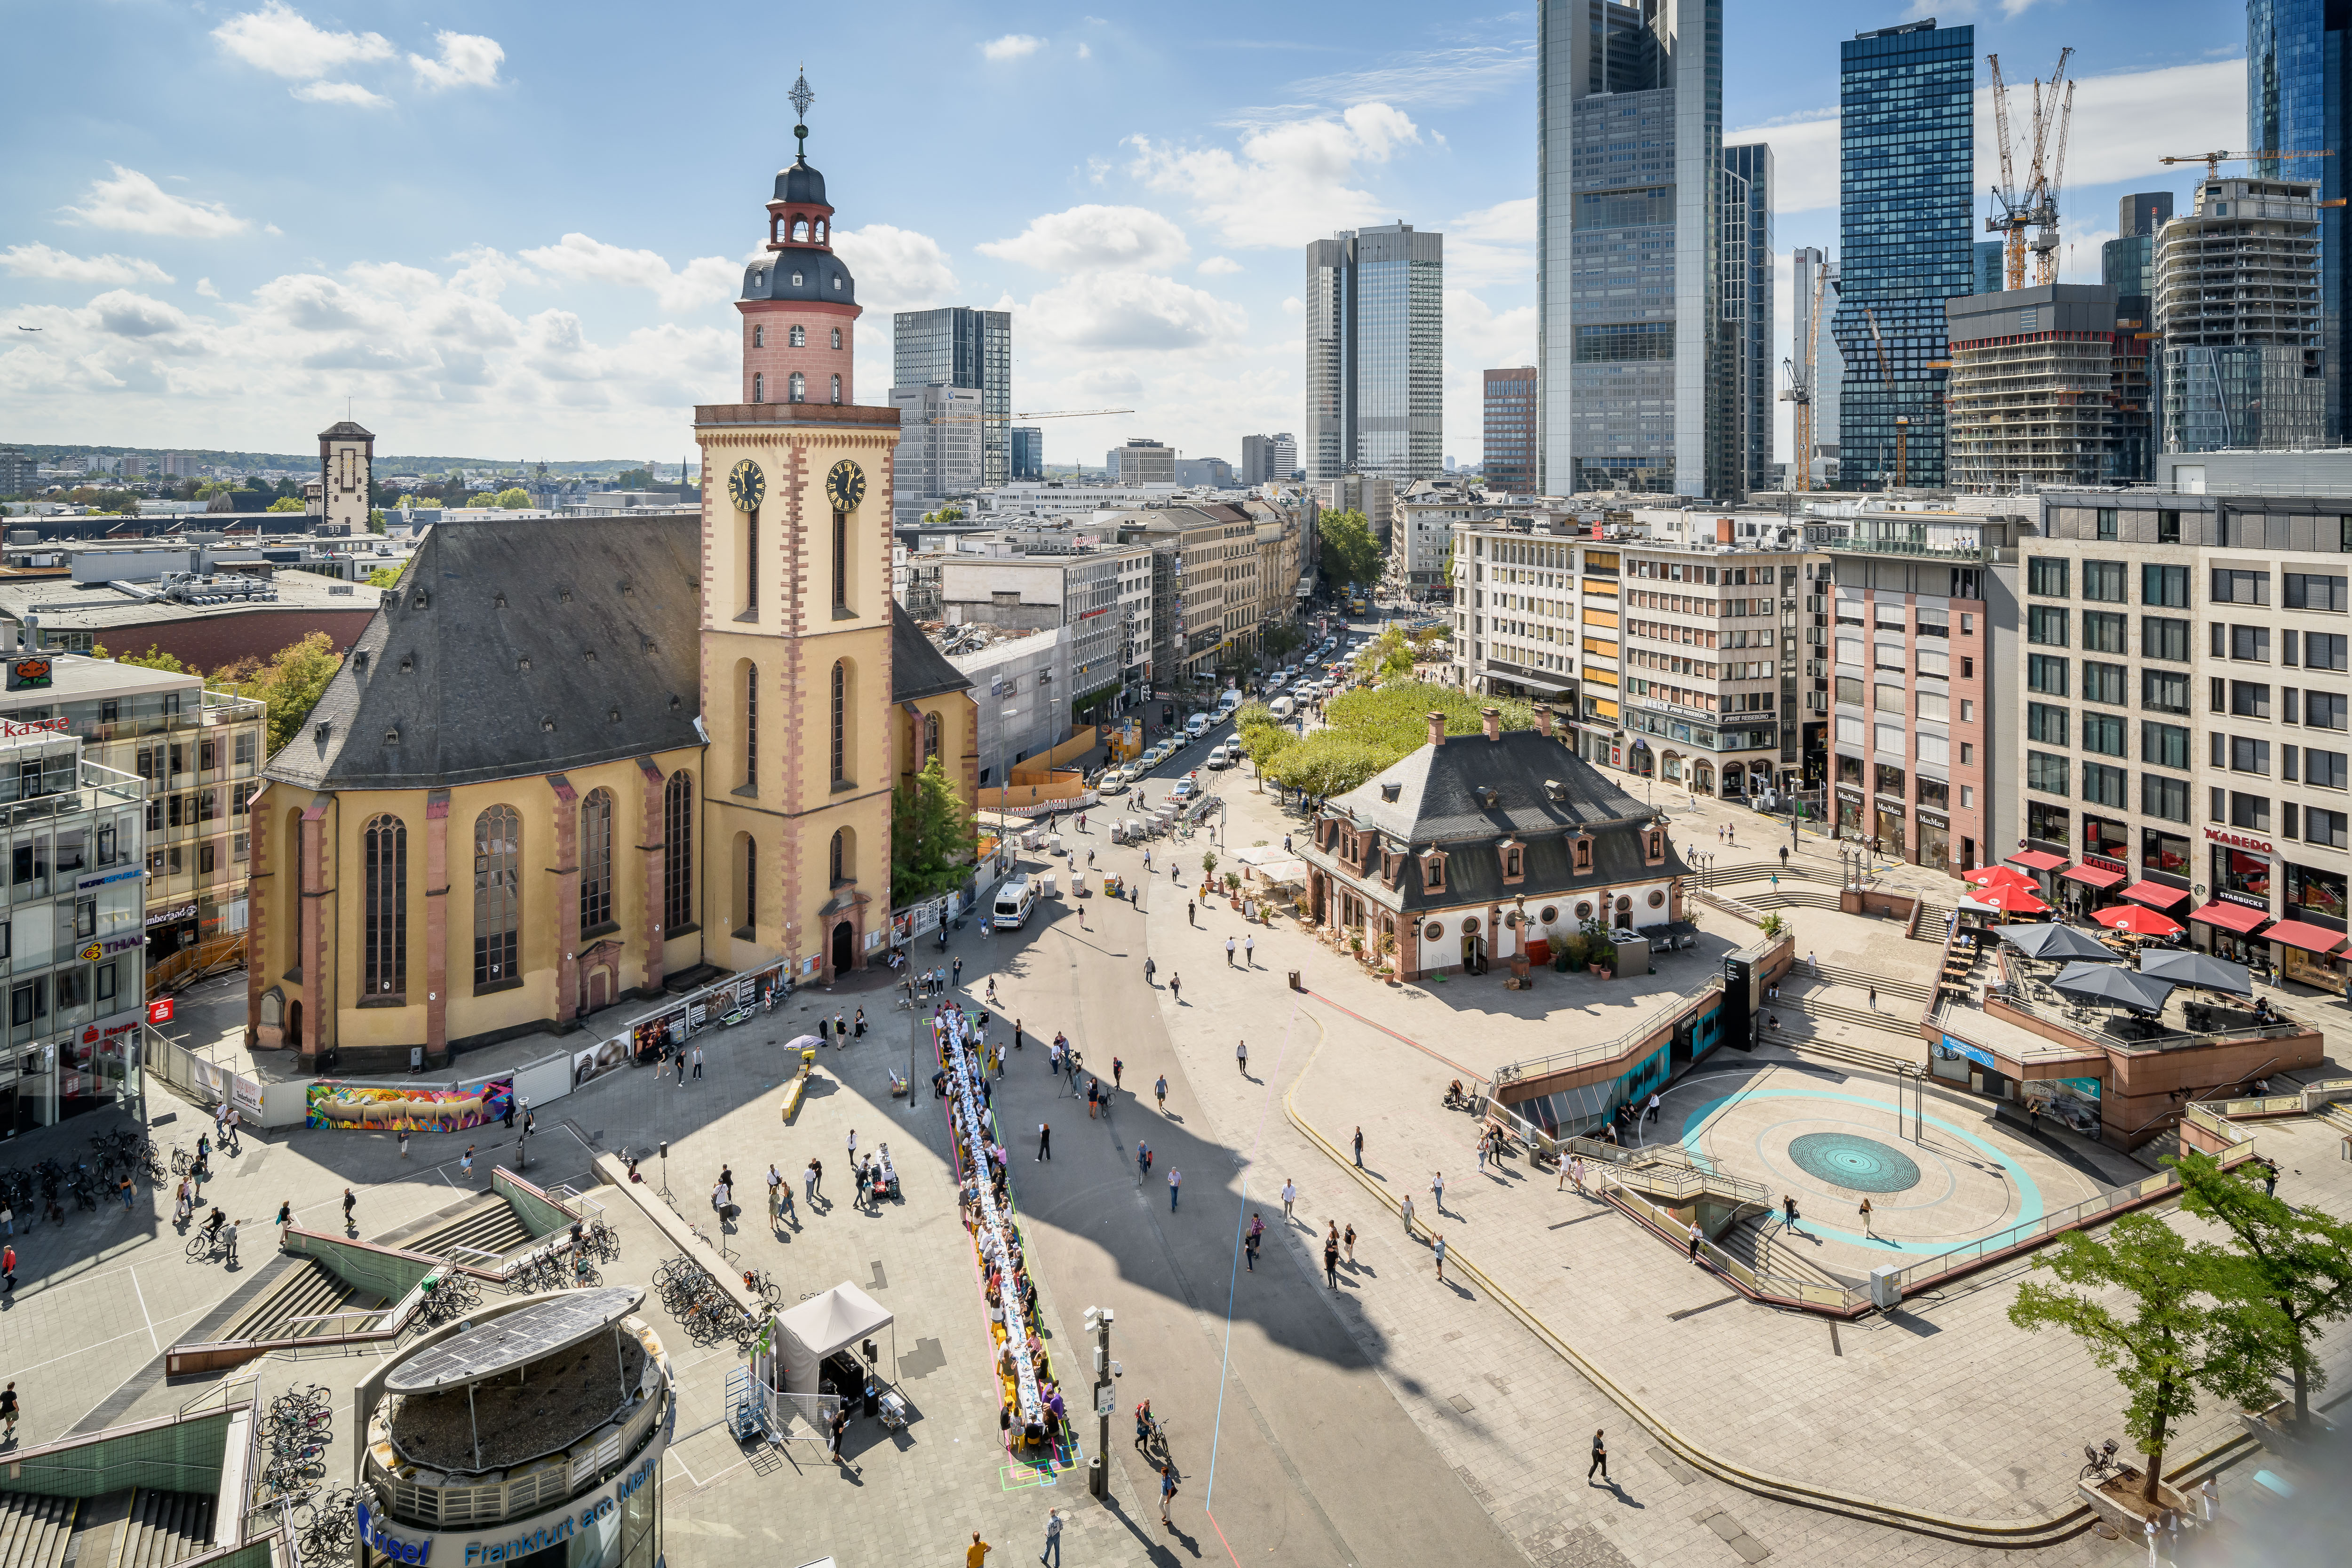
(802, 98)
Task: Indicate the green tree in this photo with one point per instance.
(1326, 764)
(1262, 743)
(2145, 1316)
(211, 488)
(405, 503)
(1209, 864)
(1281, 638)
(947, 513)
(933, 843)
(515, 499)
(153, 658)
(287, 503)
(1350, 554)
(385, 576)
(288, 685)
(2294, 1273)
(375, 519)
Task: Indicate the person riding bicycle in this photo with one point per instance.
(213, 1222)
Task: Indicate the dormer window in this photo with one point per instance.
(1653, 845)
(1580, 853)
(1389, 791)
(796, 280)
(1432, 870)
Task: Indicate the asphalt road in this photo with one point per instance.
(1290, 1448)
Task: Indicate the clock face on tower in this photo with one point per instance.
(845, 486)
(747, 485)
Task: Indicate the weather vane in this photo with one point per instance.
(802, 98)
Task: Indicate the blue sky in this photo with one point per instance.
(514, 229)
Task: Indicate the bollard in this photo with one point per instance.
(1098, 1478)
(1294, 981)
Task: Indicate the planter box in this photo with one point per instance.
(2118, 1502)
(2275, 1430)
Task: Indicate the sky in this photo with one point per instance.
(514, 230)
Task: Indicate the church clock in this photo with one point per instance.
(845, 486)
(747, 485)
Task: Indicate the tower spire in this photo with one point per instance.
(802, 98)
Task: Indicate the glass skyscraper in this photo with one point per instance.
(960, 346)
(1906, 207)
(1992, 268)
(1748, 310)
(1631, 343)
(1509, 463)
(1375, 354)
(2295, 104)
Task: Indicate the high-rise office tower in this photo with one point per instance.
(1375, 342)
(1028, 452)
(2245, 363)
(960, 346)
(2128, 266)
(1816, 274)
(2295, 104)
(1509, 464)
(1629, 181)
(1268, 459)
(1747, 311)
(1991, 275)
(1905, 178)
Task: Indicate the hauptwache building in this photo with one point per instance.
(572, 757)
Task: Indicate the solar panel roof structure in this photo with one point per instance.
(508, 1341)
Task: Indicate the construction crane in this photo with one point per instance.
(2214, 161)
(1800, 388)
(2033, 206)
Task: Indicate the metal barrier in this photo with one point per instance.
(1568, 1062)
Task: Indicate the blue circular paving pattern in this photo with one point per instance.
(1857, 1164)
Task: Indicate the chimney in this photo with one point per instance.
(1437, 728)
(1543, 720)
(1494, 718)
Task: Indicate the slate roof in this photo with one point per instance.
(1438, 803)
(441, 665)
(918, 668)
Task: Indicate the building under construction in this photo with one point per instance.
(2045, 389)
(2237, 303)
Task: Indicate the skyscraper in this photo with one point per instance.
(2128, 266)
(1816, 274)
(1992, 275)
(960, 346)
(2295, 104)
(1629, 216)
(2244, 363)
(1028, 452)
(1747, 310)
(1510, 431)
(1905, 178)
(1375, 342)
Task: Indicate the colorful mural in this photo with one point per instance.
(377, 1108)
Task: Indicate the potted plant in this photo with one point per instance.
(1233, 889)
(1388, 956)
(1571, 952)
(1605, 961)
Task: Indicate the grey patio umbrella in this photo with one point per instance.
(2183, 967)
(2112, 983)
(2056, 942)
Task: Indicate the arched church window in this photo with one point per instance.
(384, 851)
(759, 386)
(497, 895)
(596, 860)
(836, 389)
(799, 336)
(836, 337)
(678, 853)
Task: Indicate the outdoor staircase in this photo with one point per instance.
(1862, 979)
(162, 1528)
(1754, 1242)
(489, 1226)
(34, 1530)
(1933, 920)
(1785, 897)
(1818, 1047)
(308, 1290)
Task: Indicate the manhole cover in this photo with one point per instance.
(1857, 1164)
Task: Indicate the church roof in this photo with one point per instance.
(343, 429)
(800, 274)
(515, 647)
(919, 670)
(799, 184)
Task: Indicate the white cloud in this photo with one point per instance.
(2203, 105)
(60, 267)
(1288, 183)
(896, 269)
(1126, 313)
(132, 202)
(348, 92)
(705, 280)
(127, 315)
(280, 40)
(204, 287)
(1086, 51)
(1441, 77)
(1136, 238)
(467, 59)
(1012, 46)
(1218, 267)
(1493, 245)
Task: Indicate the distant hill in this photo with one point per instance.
(385, 463)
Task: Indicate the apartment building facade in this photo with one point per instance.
(1422, 532)
(1676, 649)
(1101, 594)
(2183, 734)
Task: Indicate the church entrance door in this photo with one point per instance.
(843, 948)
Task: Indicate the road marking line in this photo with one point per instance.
(154, 1343)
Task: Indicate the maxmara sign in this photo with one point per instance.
(509, 1542)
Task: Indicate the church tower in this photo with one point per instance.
(796, 614)
(346, 473)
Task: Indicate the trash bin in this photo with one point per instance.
(1096, 1483)
(1294, 981)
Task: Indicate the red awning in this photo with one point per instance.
(2310, 938)
(2095, 876)
(2155, 894)
(2038, 860)
(2231, 917)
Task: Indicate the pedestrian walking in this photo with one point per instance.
(1359, 1148)
(775, 1189)
(8, 1267)
(1789, 1207)
(955, 971)
(8, 1412)
(1441, 1258)
(698, 1061)
(1696, 1236)
(1482, 1154)
(1160, 1092)
(1175, 1187)
(506, 1119)
(1406, 1209)
(1814, 963)
(1167, 1493)
(1865, 1216)
(229, 1235)
(403, 1143)
(1044, 1141)
(350, 1202)
(2270, 1178)
(1251, 1241)
(809, 1179)
(1249, 952)
(1241, 1057)
(1576, 1172)
(976, 1554)
(1229, 952)
(1052, 1555)
(1175, 986)
(1874, 999)
(1289, 1195)
(1599, 1458)
(1651, 1113)
(1331, 1258)
(466, 1161)
(1437, 1190)
(1188, 912)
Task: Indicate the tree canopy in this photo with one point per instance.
(950, 512)
(1370, 729)
(1350, 554)
(931, 840)
(2291, 1275)
(153, 658)
(287, 503)
(288, 684)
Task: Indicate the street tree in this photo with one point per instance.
(1350, 554)
(514, 498)
(288, 684)
(2163, 1340)
(932, 844)
(1209, 864)
(1326, 764)
(2294, 1270)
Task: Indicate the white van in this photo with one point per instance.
(1196, 726)
(1281, 706)
(1015, 898)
